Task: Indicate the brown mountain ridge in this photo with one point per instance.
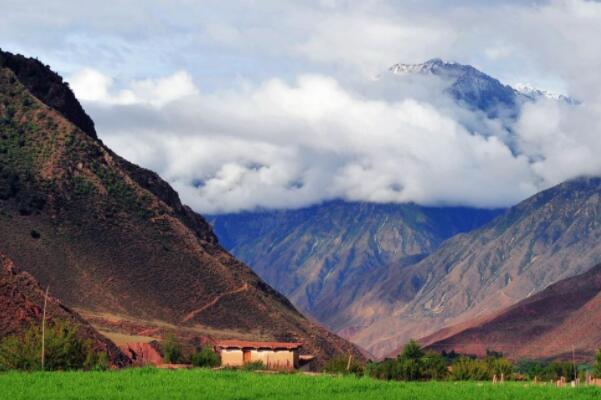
(546, 325)
(114, 240)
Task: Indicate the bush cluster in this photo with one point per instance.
(172, 350)
(411, 365)
(64, 349)
(205, 358)
(340, 365)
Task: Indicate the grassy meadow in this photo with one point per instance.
(224, 385)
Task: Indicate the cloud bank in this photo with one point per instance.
(244, 105)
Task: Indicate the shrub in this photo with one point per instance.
(254, 366)
(597, 365)
(172, 350)
(64, 349)
(499, 366)
(206, 357)
(434, 366)
(412, 351)
(340, 365)
(468, 369)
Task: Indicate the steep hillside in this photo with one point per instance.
(115, 242)
(22, 302)
(327, 257)
(546, 325)
(548, 237)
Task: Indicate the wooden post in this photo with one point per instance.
(348, 365)
(574, 363)
(502, 377)
(494, 379)
(44, 327)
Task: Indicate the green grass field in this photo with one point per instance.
(206, 384)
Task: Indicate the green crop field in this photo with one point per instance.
(222, 385)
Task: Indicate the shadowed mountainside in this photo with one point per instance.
(114, 241)
(327, 257)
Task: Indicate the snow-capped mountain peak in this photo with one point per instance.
(534, 93)
(426, 67)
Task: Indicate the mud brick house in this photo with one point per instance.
(273, 355)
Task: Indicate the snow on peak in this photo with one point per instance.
(534, 93)
(426, 67)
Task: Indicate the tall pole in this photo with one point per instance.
(574, 362)
(44, 327)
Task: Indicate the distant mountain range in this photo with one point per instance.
(327, 257)
(113, 240)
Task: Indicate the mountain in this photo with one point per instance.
(551, 236)
(327, 257)
(22, 303)
(113, 240)
(545, 325)
(478, 91)
(468, 85)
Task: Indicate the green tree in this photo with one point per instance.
(434, 366)
(597, 366)
(468, 369)
(64, 349)
(172, 350)
(412, 351)
(206, 357)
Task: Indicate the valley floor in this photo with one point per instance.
(223, 385)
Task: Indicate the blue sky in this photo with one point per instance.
(271, 103)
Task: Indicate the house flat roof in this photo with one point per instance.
(243, 344)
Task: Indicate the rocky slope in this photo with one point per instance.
(22, 302)
(545, 325)
(548, 237)
(327, 257)
(115, 242)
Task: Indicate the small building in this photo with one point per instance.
(273, 355)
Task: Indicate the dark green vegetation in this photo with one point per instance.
(224, 385)
(64, 349)
(172, 350)
(206, 357)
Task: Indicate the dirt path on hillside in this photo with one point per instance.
(192, 314)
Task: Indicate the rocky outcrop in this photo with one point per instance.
(142, 354)
(49, 87)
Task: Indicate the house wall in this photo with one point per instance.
(231, 358)
(274, 359)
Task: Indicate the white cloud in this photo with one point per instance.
(288, 116)
(289, 145)
(93, 86)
